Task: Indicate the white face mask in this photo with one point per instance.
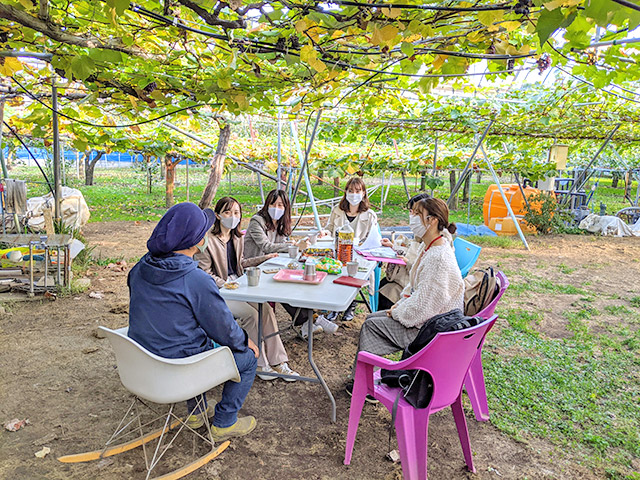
(203, 247)
(230, 222)
(276, 213)
(417, 227)
(354, 198)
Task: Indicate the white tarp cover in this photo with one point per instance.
(75, 212)
(608, 225)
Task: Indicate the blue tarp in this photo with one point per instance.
(465, 230)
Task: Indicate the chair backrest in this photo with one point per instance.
(487, 311)
(466, 254)
(169, 380)
(447, 358)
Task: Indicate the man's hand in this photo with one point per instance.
(386, 242)
(253, 347)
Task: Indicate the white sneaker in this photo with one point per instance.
(305, 326)
(262, 373)
(284, 369)
(327, 325)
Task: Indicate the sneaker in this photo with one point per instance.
(284, 369)
(327, 325)
(243, 426)
(331, 316)
(197, 420)
(304, 327)
(349, 313)
(263, 373)
(369, 398)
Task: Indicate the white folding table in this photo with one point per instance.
(325, 296)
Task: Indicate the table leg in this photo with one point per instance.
(260, 328)
(365, 301)
(315, 368)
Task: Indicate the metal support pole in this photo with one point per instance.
(56, 149)
(584, 175)
(260, 186)
(279, 156)
(404, 182)
(504, 197)
(305, 172)
(187, 179)
(303, 167)
(5, 173)
(466, 167)
(435, 159)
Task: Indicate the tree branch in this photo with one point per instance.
(43, 14)
(54, 32)
(211, 18)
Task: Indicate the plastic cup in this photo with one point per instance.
(352, 268)
(313, 238)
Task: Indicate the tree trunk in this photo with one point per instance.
(90, 165)
(628, 182)
(466, 188)
(423, 181)
(320, 177)
(336, 187)
(147, 160)
(452, 185)
(615, 177)
(217, 168)
(170, 176)
(479, 176)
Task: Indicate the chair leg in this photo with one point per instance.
(412, 432)
(476, 389)
(355, 410)
(463, 432)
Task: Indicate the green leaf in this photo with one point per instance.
(577, 34)
(103, 55)
(490, 17)
(119, 5)
(80, 144)
(550, 21)
(82, 66)
(600, 11)
(407, 49)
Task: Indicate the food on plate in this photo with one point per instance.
(231, 285)
(329, 265)
(293, 265)
(319, 252)
(271, 270)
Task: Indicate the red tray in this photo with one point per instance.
(297, 276)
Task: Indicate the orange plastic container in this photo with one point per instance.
(505, 226)
(495, 208)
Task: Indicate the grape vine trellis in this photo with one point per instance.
(140, 61)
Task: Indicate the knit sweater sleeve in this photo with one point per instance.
(439, 288)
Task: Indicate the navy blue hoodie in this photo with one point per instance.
(175, 309)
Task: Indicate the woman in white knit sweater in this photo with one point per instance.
(435, 285)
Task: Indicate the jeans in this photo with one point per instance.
(233, 393)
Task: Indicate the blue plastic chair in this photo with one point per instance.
(466, 254)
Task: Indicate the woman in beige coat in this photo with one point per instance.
(223, 259)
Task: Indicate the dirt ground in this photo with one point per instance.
(57, 374)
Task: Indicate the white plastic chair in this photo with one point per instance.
(164, 381)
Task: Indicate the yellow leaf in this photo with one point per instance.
(511, 50)
(307, 52)
(134, 101)
(241, 100)
(224, 83)
(351, 169)
(317, 65)
(475, 37)
(337, 34)
(391, 12)
(10, 66)
(493, 28)
(301, 25)
(439, 61)
(524, 50)
(388, 32)
(553, 4)
(490, 17)
(465, 4)
(510, 26)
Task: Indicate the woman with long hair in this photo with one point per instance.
(224, 260)
(267, 233)
(435, 285)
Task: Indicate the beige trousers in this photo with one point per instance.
(246, 314)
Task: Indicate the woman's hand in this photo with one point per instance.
(272, 255)
(253, 347)
(323, 233)
(391, 310)
(386, 242)
(303, 244)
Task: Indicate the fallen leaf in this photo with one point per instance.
(394, 456)
(43, 453)
(97, 295)
(16, 424)
(90, 349)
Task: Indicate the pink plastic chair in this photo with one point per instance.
(446, 358)
(474, 381)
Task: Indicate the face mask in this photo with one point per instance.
(203, 247)
(417, 227)
(276, 213)
(230, 222)
(354, 198)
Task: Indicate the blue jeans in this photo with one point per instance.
(233, 393)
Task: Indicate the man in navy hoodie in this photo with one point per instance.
(175, 311)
